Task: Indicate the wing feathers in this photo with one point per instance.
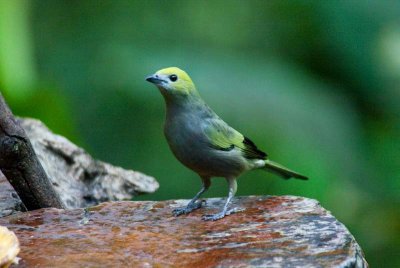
(251, 150)
(224, 138)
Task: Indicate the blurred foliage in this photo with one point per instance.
(314, 83)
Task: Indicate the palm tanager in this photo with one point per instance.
(203, 142)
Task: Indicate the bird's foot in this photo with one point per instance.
(189, 208)
(220, 215)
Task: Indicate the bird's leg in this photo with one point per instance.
(193, 205)
(225, 211)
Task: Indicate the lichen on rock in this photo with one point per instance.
(79, 179)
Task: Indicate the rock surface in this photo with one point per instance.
(79, 179)
(272, 231)
(9, 200)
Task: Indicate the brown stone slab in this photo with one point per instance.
(272, 231)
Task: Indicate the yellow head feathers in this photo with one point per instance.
(173, 81)
(181, 74)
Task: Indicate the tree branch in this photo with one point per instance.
(20, 165)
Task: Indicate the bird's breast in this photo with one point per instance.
(184, 136)
(191, 147)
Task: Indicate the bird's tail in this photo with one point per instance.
(282, 171)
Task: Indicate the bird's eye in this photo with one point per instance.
(173, 77)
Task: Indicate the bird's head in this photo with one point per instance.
(173, 81)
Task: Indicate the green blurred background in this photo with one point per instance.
(313, 83)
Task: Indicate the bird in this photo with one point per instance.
(205, 143)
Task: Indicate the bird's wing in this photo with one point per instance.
(223, 137)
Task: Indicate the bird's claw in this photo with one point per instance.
(220, 215)
(189, 208)
(213, 217)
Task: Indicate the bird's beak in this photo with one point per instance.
(155, 79)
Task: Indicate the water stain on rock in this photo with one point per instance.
(271, 231)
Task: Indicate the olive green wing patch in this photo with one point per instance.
(223, 137)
